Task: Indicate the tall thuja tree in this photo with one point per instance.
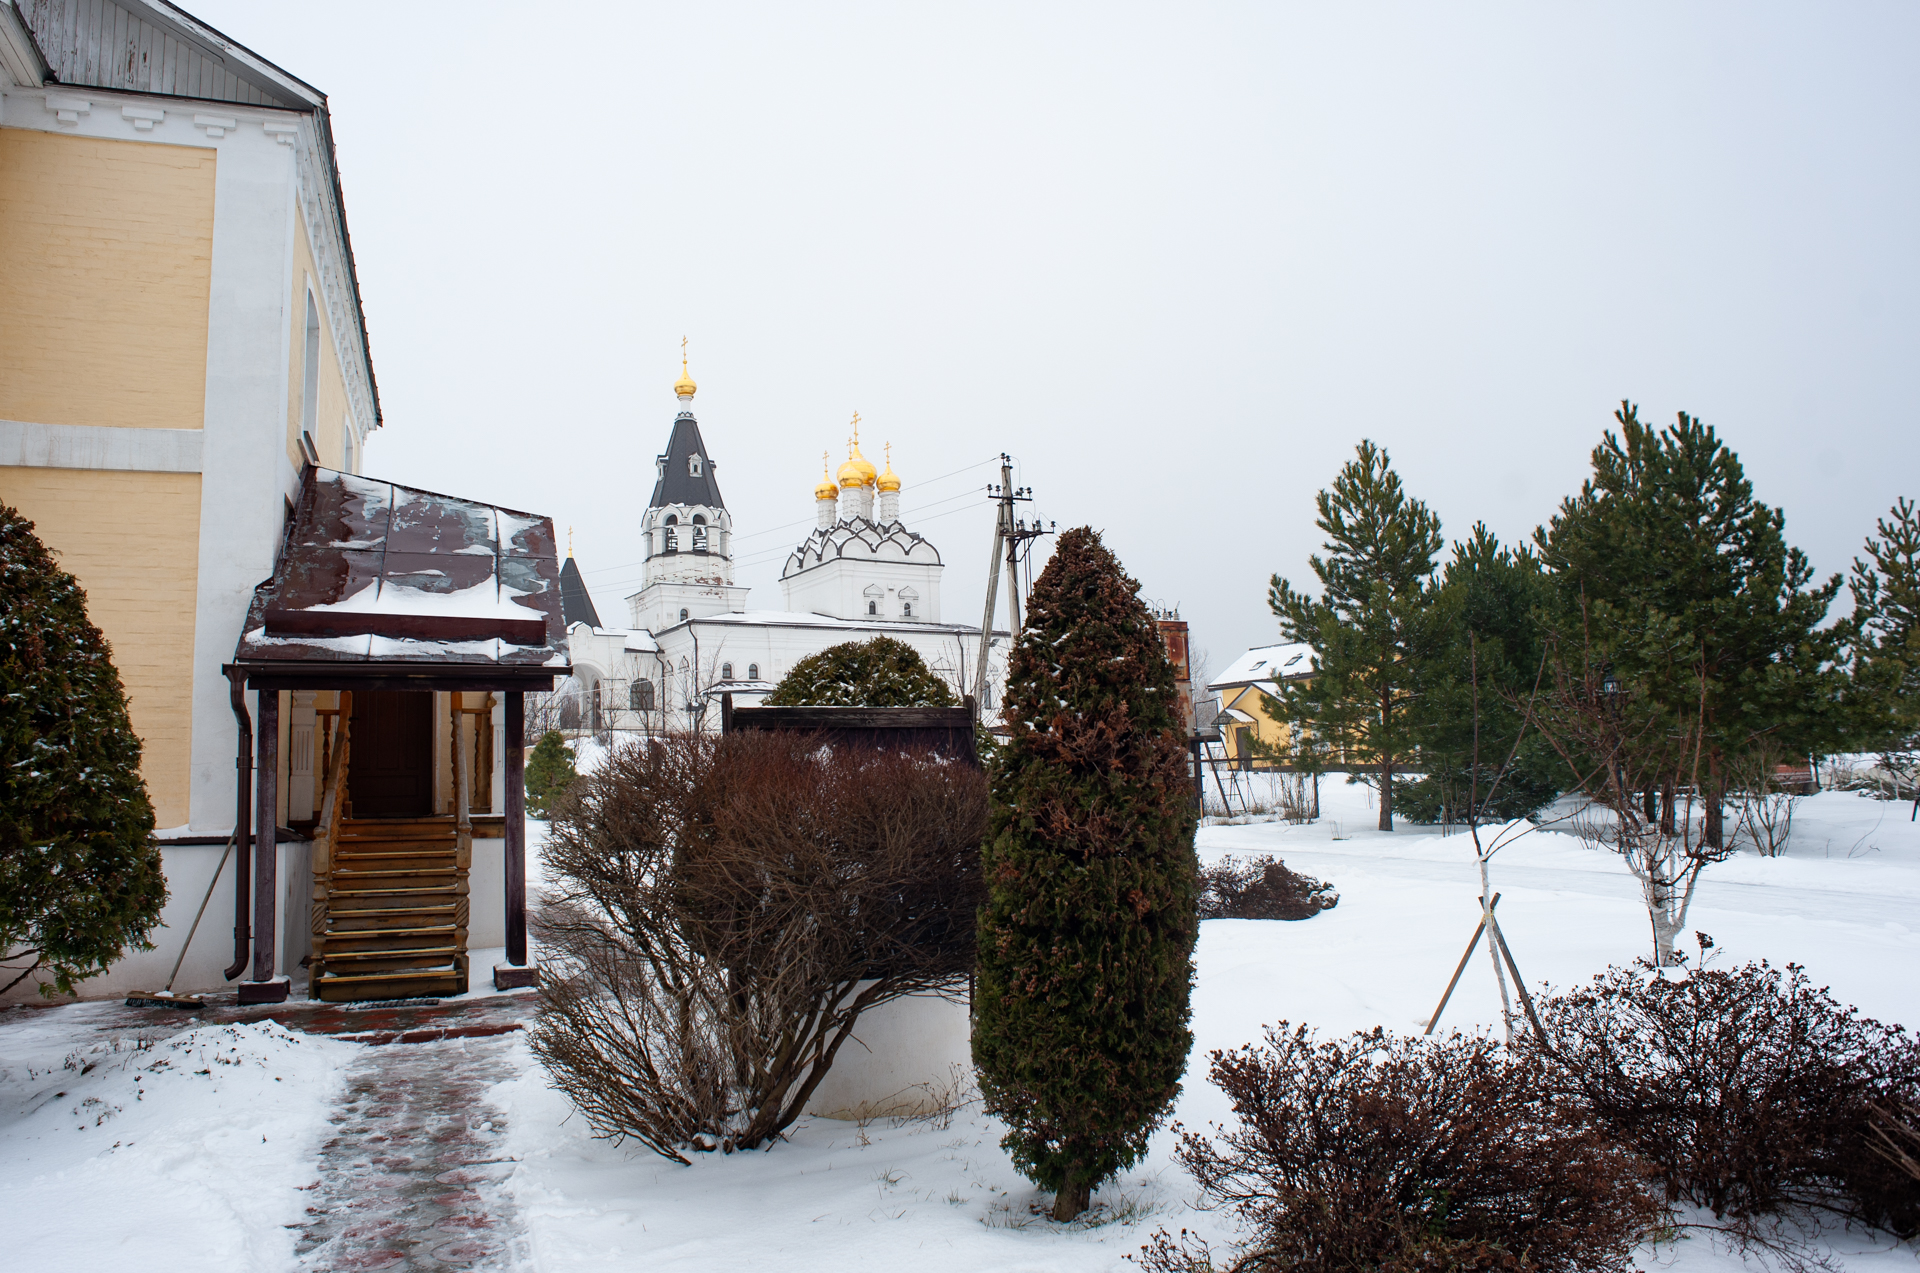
(1672, 574)
(1369, 628)
(1080, 1016)
(1886, 612)
(1479, 759)
(80, 876)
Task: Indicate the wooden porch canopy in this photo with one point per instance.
(380, 586)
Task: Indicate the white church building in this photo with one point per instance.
(691, 636)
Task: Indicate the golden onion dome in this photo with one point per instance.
(826, 489)
(889, 480)
(684, 387)
(858, 470)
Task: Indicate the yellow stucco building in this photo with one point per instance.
(180, 334)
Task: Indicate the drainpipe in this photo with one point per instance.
(242, 826)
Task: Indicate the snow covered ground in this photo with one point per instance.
(939, 1198)
(157, 1153)
(191, 1184)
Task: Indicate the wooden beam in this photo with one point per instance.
(516, 829)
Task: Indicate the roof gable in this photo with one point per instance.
(143, 46)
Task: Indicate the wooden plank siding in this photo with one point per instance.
(100, 44)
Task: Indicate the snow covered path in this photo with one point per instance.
(408, 1179)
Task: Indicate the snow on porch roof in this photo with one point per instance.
(379, 578)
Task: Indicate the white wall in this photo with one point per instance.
(900, 1055)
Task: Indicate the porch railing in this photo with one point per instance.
(333, 726)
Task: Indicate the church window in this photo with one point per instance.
(640, 696)
(726, 671)
(906, 609)
(693, 466)
(683, 615)
(753, 671)
(699, 533)
(672, 534)
(873, 607)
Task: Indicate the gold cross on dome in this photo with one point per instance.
(856, 428)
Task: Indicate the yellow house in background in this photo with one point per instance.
(1247, 690)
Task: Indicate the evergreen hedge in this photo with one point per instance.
(882, 672)
(80, 875)
(1080, 1015)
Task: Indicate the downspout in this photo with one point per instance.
(242, 827)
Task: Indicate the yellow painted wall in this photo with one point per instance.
(329, 434)
(1256, 704)
(140, 592)
(106, 251)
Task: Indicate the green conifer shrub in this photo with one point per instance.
(882, 672)
(549, 772)
(1080, 1015)
(80, 876)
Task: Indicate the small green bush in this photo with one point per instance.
(882, 672)
(549, 772)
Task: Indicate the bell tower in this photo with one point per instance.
(689, 533)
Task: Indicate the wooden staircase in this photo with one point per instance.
(389, 909)
(395, 912)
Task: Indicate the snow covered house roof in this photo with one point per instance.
(388, 583)
(1266, 666)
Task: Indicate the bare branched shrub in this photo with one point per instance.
(1751, 1090)
(1895, 1136)
(1261, 888)
(1299, 797)
(1382, 1153)
(719, 912)
(1765, 814)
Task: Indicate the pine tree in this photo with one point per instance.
(1485, 660)
(1369, 629)
(882, 672)
(1886, 611)
(549, 772)
(1080, 1015)
(1669, 569)
(80, 876)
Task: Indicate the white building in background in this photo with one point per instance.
(860, 573)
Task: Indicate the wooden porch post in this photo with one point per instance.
(263, 987)
(516, 829)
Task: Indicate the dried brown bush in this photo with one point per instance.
(719, 912)
(1382, 1153)
(1752, 1091)
(1261, 888)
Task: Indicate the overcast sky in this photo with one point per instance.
(1177, 260)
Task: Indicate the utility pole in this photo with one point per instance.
(1012, 533)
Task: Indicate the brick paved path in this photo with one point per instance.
(410, 1178)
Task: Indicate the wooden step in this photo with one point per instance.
(365, 961)
(354, 876)
(411, 915)
(397, 931)
(392, 985)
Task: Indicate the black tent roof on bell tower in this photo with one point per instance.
(682, 481)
